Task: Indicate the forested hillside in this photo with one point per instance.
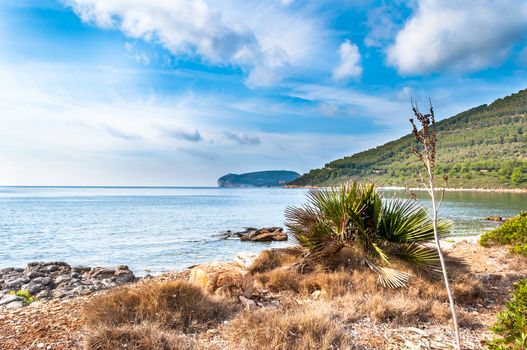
(484, 147)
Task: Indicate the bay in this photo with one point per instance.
(159, 229)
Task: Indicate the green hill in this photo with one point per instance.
(484, 147)
(272, 178)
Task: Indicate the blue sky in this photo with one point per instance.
(180, 92)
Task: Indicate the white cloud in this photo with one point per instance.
(458, 35)
(219, 32)
(405, 94)
(350, 65)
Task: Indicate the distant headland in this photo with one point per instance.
(270, 178)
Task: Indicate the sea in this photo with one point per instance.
(158, 229)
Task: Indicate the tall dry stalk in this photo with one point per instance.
(426, 153)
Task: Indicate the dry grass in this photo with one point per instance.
(357, 294)
(273, 258)
(137, 337)
(176, 305)
(299, 328)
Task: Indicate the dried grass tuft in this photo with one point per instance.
(300, 328)
(136, 337)
(273, 258)
(176, 305)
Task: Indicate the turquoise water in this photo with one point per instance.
(160, 229)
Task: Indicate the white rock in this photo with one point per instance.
(248, 303)
(14, 305)
(245, 259)
(8, 299)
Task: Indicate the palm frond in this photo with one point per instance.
(417, 255)
(389, 277)
(405, 221)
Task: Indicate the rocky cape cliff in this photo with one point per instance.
(271, 178)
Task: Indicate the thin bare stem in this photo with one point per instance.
(426, 136)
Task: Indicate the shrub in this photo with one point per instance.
(176, 305)
(355, 215)
(27, 298)
(513, 232)
(142, 337)
(512, 323)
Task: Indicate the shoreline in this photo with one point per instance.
(421, 189)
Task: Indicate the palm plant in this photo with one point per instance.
(357, 216)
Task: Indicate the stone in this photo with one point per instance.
(51, 268)
(270, 236)
(34, 274)
(32, 288)
(61, 279)
(80, 269)
(225, 279)
(123, 274)
(16, 283)
(8, 299)
(101, 273)
(46, 281)
(494, 218)
(14, 305)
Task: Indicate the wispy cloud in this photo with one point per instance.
(119, 133)
(198, 153)
(241, 138)
(180, 134)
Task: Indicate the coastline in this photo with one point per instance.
(420, 189)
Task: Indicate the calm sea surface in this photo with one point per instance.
(160, 229)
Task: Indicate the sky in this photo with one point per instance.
(181, 92)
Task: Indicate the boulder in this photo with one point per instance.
(494, 218)
(224, 279)
(276, 235)
(266, 234)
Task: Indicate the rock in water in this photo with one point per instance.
(224, 279)
(266, 234)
